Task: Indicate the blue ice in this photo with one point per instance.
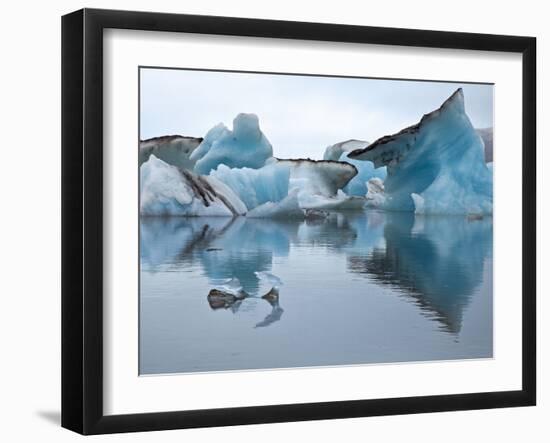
(436, 166)
(243, 147)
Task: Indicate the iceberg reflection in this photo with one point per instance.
(437, 262)
(224, 248)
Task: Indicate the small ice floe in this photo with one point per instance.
(223, 299)
(218, 299)
(226, 294)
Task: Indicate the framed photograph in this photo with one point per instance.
(269, 221)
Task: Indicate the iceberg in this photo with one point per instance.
(365, 171)
(255, 186)
(168, 190)
(323, 177)
(281, 189)
(338, 202)
(319, 183)
(286, 188)
(375, 192)
(357, 186)
(436, 166)
(265, 192)
(288, 207)
(486, 135)
(175, 150)
(211, 136)
(334, 152)
(243, 147)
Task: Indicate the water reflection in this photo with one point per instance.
(438, 261)
(222, 299)
(225, 248)
(434, 262)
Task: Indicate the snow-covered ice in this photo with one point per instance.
(436, 166)
(167, 190)
(175, 150)
(323, 177)
(319, 183)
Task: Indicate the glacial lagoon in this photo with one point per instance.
(359, 287)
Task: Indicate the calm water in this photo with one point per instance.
(356, 288)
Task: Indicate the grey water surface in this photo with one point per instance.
(357, 288)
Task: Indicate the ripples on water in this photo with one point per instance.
(364, 287)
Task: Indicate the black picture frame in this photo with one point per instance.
(82, 218)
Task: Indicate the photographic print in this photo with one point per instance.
(295, 221)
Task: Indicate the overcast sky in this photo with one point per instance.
(300, 115)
